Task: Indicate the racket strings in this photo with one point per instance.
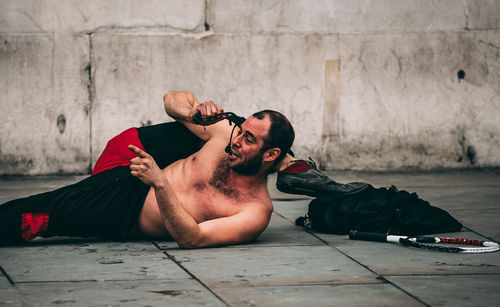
(479, 246)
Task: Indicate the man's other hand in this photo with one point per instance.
(145, 168)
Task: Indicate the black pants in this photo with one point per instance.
(107, 204)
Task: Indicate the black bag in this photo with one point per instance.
(377, 210)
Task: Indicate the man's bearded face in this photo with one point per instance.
(250, 166)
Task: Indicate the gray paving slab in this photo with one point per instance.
(119, 293)
(457, 290)
(318, 295)
(394, 259)
(282, 232)
(285, 266)
(88, 261)
(8, 294)
(486, 222)
(262, 266)
(291, 210)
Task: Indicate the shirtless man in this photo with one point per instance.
(209, 198)
(212, 197)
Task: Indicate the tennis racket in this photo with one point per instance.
(471, 245)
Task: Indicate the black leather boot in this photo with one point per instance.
(302, 177)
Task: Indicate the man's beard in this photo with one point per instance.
(249, 167)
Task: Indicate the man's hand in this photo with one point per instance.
(207, 113)
(198, 118)
(145, 168)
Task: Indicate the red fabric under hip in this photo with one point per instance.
(116, 152)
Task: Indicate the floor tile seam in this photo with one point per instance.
(408, 293)
(383, 272)
(255, 247)
(306, 284)
(306, 230)
(340, 251)
(379, 276)
(443, 274)
(98, 280)
(7, 276)
(480, 234)
(476, 209)
(194, 277)
(13, 285)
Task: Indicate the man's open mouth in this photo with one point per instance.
(234, 153)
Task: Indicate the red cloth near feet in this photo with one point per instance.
(34, 225)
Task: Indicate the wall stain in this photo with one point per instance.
(466, 151)
(420, 149)
(146, 123)
(15, 164)
(61, 123)
(471, 155)
(58, 302)
(460, 74)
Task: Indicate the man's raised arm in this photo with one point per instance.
(183, 106)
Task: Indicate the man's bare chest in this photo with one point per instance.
(212, 193)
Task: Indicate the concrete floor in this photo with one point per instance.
(287, 266)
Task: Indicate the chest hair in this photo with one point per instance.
(221, 180)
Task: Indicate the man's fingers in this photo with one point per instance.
(134, 167)
(209, 108)
(134, 173)
(138, 151)
(136, 160)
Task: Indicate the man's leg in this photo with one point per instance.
(103, 205)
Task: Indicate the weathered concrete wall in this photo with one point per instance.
(367, 84)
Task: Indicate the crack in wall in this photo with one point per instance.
(91, 95)
(489, 44)
(207, 26)
(466, 13)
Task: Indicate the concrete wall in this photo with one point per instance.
(367, 84)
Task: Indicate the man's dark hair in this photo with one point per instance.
(280, 135)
